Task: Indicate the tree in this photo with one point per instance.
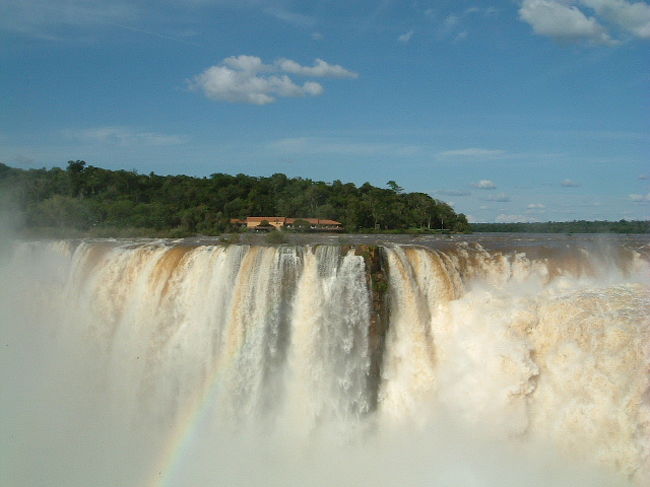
(301, 225)
(75, 171)
(82, 196)
(394, 187)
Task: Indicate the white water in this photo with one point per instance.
(252, 366)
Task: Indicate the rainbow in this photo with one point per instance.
(184, 431)
(198, 405)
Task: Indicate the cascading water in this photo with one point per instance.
(160, 363)
(505, 346)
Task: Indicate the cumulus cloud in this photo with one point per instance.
(638, 198)
(563, 22)
(225, 84)
(125, 136)
(404, 38)
(568, 183)
(247, 79)
(246, 63)
(568, 21)
(633, 17)
(484, 184)
(473, 152)
(320, 69)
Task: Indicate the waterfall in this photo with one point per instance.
(259, 358)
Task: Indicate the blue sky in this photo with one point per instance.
(511, 110)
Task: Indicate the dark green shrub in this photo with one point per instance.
(276, 237)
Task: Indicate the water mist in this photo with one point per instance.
(157, 363)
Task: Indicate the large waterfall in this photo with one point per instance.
(160, 363)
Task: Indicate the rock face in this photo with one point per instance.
(377, 278)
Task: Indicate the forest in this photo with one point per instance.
(90, 200)
(576, 226)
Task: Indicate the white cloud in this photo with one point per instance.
(317, 36)
(320, 69)
(566, 20)
(568, 183)
(536, 206)
(125, 136)
(499, 198)
(246, 63)
(643, 176)
(562, 21)
(631, 17)
(225, 84)
(472, 152)
(312, 88)
(404, 38)
(484, 184)
(640, 197)
(247, 79)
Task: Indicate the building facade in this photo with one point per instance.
(263, 223)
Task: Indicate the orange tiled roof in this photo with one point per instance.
(267, 218)
(285, 220)
(315, 221)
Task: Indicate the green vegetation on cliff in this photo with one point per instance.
(102, 202)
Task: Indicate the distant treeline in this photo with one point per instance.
(579, 226)
(100, 201)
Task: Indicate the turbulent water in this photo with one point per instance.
(162, 363)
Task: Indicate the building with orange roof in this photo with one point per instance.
(281, 222)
